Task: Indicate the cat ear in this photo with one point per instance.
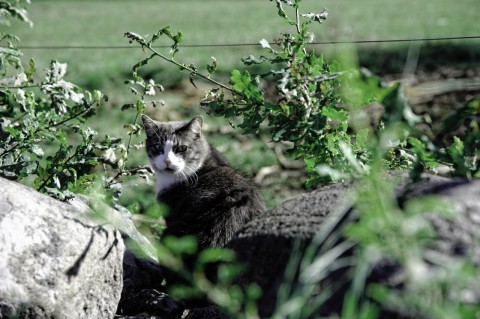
(148, 124)
(195, 125)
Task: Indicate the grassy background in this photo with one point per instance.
(103, 23)
(95, 23)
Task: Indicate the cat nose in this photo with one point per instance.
(168, 162)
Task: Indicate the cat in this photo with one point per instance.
(206, 197)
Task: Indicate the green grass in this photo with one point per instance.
(94, 23)
(103, 23)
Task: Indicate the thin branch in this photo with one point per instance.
(21, 87)
(73, 116)
(297, 17)
(121, 171)
(195, 72)
(42, 186)
(42, 128)
(130, 137)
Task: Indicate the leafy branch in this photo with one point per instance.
(133, 37)
(42, 122)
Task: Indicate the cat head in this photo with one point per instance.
(175, 148)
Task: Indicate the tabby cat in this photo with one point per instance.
(205, 195)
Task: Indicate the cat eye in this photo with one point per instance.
(158, 148)
(181, 149)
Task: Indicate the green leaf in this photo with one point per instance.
(13, 131)
(425, 157)
(32, 69)
(310, 164)
(350, 310)
(243, 84)
(339, 115)
(240, 82)
(215, 255)
(457, 147)
(142, 63)
(361, 138)
(228, 272)
(181, 245)
(167, 30)
(254, 291)
(140, 105)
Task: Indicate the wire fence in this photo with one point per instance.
(227, 45)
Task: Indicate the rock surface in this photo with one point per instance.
(143, 290)
(55, 262)
(266, 244)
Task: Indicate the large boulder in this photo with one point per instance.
(268, 243)
(54, 261)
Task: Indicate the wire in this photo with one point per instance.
(100, 47)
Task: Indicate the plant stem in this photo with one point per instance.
(21, 87)
(183, 67)
(130, 139)
(42, 186)
(121, 171)
(297, 17)
(41, 129)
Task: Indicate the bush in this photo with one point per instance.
(319, 108)
(45, 139)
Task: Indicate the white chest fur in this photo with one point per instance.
(165, 180)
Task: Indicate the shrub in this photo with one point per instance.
(45, 139)
(316, 105)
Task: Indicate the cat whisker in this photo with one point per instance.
(190, 179)
(182, 177)
(190, 175)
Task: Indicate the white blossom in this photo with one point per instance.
(20, 79)
(264, 43)
(109, 155)
(76, 97)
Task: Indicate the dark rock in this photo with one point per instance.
(153, 302)
(268, 242)
(140, 274)
(143, 286)
(210, 312)
(271, 241)
(143, 293)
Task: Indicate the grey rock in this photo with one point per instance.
(300, 217)
(54, 261)
(119, 217)
(268, 242)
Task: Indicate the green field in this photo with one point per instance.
(103, 23)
